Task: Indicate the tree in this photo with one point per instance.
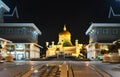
(0, 46)
(114, 47)
(117, 44)
(97, 45)
(111, 48)
(103, 51)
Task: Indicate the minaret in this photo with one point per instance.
(53, 43)
(76, 42)
(47, 44)
(64, 27)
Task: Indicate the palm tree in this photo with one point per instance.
(117, 44)
(114, 48)
(115, 58)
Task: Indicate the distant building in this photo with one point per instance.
(100, 36)
(64, 47)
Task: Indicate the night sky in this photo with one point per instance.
(50, 16)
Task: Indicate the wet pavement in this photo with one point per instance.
(54, 69)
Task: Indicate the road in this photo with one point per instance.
(49, 69)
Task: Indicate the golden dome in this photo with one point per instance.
(65, 32)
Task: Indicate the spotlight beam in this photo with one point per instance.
(112, 13)
(15, 11)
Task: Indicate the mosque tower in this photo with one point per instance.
(65, 38)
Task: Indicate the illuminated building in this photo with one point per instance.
(20, 32)
(26, 51)
(3, 43)
(64, 46)
(20, 50)
(24, 37)
(100, 36)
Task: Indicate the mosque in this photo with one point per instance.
(64, 46)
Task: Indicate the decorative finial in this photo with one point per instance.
(64, 27)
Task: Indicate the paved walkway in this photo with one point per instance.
(12, 69)
(81, 69)
(21, 68)
(112, 69)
